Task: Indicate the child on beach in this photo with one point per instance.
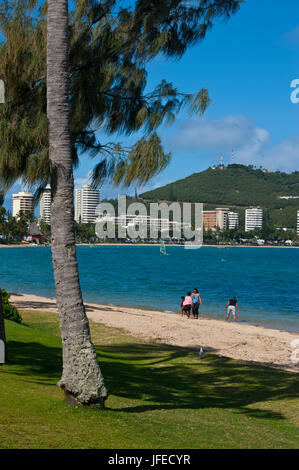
(187, 304)
(182, 305)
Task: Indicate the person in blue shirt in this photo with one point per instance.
(196, 302)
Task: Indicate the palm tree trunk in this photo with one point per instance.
(81, 379)
(2, 329)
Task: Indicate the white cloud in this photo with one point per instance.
(252, 144)
(284, 156)
(291, 38)
(255, 146)
(230, 131)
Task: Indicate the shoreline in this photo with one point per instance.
(203, 315)
(147, 244)
(241, 341)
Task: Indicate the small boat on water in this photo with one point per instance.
(163, 248)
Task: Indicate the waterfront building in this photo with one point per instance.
(45, 205)
(130, 220)
(215, 219)
(209, 220)
(232, 220)
(221, 217)
(22, 202)
(253, 219)
(86, 202)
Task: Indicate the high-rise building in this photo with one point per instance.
(297, 222)
(45, 205)
(215, 219)
(209, 220)
(221, 217)
(86, 202)
(253, 219)
(232, 220)
(78, 205)
(22, 202)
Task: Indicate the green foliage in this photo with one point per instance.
(268, 233)
(146, 160)
(85, 233)
(9, 312)
(110, 47)
(14, 228)
(235, 185)
(46, 230)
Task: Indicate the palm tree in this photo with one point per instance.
(81, 379)
(109, 47)
(2, 327)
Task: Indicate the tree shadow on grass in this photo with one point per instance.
(35, 361)
(193, 382)
(166, 377)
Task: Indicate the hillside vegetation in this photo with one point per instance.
(236, 185)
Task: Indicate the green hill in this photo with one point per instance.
(235, 185)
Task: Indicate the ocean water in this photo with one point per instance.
(264, 280)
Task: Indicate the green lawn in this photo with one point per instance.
(160, 396)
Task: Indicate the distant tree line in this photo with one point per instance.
(14, 229)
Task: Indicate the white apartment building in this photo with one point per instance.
(222, 217)
(253, 219)
(131, 220)
(86, 202)
(145, 225)
(22, 202)
(232, 220)
(45, 205)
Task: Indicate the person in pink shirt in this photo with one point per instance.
(187, 304)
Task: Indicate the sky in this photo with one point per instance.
(247, 64)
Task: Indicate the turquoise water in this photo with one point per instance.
(264, 280)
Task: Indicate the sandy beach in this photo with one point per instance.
(251, 343)
(151, 244)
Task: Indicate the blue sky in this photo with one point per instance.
(247, 64)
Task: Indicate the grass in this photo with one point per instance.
(160, 396)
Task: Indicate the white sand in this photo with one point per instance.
(235, 340)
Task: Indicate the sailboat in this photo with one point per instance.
(163, 248)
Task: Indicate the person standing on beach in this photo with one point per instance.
(182, 305)
(187, 304)
(231, 307)
(196, 302)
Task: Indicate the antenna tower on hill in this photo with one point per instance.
(221, 162)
